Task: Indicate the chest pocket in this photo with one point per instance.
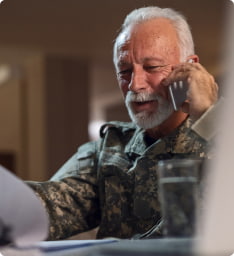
(129, 195)
(116, 188)
(146, 203)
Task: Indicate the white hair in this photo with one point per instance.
(186, 44)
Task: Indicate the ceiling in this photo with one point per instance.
(88, 28)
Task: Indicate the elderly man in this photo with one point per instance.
(112, 182)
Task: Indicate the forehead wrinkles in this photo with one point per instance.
(157, 38)
(152, 39)
(158, 34)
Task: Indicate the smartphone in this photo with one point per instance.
(178, 93)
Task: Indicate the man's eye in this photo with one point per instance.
(155, 68)
(124, 72)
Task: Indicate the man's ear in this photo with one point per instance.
(192, 58)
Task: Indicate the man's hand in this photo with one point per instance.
(202, 88)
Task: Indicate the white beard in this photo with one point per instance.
(144, 119)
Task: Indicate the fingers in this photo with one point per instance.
(182, 72)
(202, 89)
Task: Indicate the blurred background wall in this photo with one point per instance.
(57, 81)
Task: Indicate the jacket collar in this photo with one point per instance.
(174, 142)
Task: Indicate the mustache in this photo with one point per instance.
(141, 97)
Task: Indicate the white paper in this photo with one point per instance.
(21, 210)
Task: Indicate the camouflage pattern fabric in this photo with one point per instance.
(112, 183)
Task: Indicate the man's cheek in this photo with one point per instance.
(124, 88)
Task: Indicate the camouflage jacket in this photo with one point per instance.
(112, 182)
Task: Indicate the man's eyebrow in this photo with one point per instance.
(161, 61)
(123, 63)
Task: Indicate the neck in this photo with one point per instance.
(168, 125)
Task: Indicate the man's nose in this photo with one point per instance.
(138, 81)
